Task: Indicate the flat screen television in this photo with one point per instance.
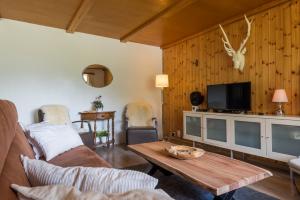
(229, 97)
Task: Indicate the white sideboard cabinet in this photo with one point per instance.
(275, 137)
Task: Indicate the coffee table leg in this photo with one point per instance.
(226, 196)
(152, 170)
(156, 167)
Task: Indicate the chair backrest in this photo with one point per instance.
(12, 143)
(55, 114)
(139, 114)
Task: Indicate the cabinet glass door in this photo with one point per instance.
(249, 135)
(286, 139)
(216, 130)
(283, 139)
(192, 127)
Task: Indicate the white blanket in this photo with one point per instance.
(60, 192)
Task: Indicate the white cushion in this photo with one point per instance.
(54, 139)
(139, 114)
(56, 114)
(295, 163)
(38, 153)
(105, 180)
(60, 192)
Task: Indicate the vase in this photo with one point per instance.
(103, 139)
(99, 109)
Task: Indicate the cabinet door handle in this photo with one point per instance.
(268, 137)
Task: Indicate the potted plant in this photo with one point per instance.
(102, 135)
(97, 103)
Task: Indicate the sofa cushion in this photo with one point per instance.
(79, 156)
(12, 143)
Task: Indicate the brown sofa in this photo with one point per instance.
(13, 143)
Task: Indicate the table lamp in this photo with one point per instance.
(162, 81)
(279, 97)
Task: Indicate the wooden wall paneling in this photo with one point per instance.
(266, 94)
(279, 47)
(202, 70)
(173, 94)
(251, 63)
(272, 60)
(295, 56)
(166, 107)
(258, 57)
(272, 56)
(287, 39)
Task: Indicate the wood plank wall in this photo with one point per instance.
(272, 61)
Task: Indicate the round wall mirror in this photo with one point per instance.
(97, 76)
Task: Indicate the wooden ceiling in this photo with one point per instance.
(154, 22)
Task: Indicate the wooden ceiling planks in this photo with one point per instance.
(115, 18)
(83, 9)
(194, 18)
(147, 21)
(53, 13)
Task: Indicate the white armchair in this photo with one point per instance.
(59, 115)
(141, 125)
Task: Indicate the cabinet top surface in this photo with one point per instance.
(95, 112)
(284, 117)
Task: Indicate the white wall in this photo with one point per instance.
(41, 65)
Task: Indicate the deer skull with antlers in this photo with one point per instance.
(238, 57)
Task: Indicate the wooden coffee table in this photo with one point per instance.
(218, 174)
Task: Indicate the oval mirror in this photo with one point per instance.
(97, 76)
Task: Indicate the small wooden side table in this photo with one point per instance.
(101, 116)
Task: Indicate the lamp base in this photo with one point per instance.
(279, 111)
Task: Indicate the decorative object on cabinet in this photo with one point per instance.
(59, 115)
(280, 97)
(98, 104)
(141, 125)
(196, 99)
(294, 165)
(97, 76)
(238, 57)
(269, 136)
(108, 116)
(184, 152)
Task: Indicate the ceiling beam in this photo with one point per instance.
(176, 6)
(81, 12)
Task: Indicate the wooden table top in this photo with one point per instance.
(217, 173)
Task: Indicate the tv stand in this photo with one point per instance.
(231, 111)
(271, 136)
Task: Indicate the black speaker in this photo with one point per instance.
(196, 98)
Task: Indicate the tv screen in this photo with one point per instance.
(234, 96)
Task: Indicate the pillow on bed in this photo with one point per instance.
(105, 180)
(52, 139)
(60, 192)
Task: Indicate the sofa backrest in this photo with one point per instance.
(12, 143)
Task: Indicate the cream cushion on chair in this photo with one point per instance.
(56, 114)
(139, 114)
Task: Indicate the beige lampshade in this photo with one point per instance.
(280, 96)
(162, 81)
